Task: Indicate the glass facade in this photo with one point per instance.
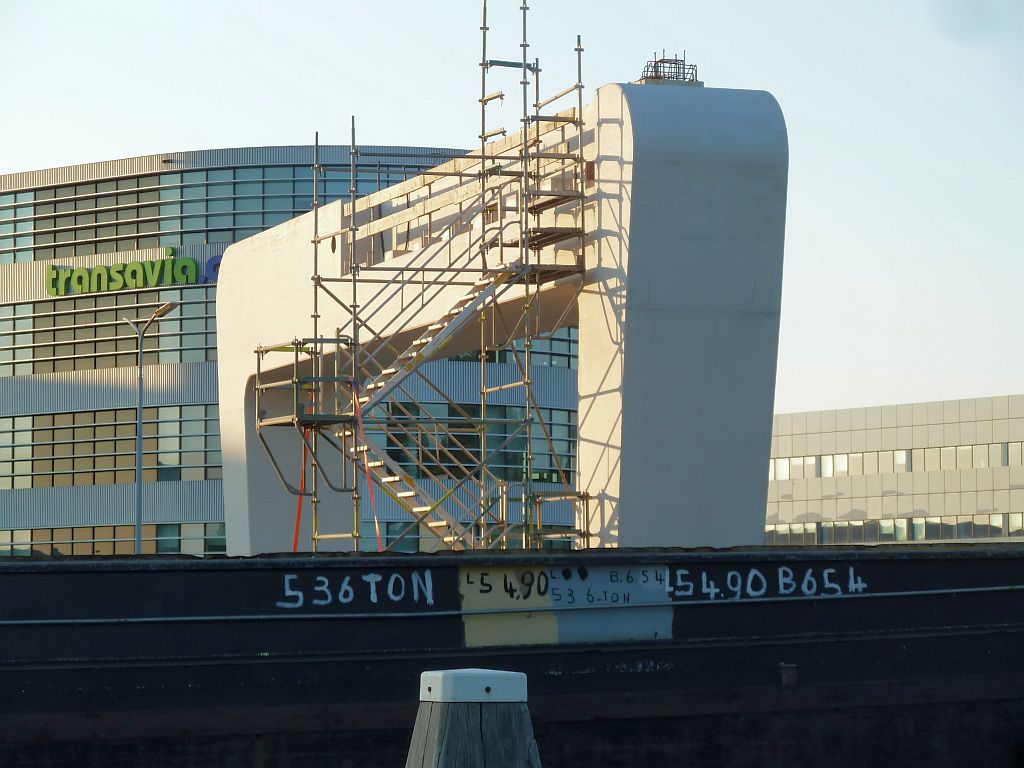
(896, 462)
(179, 442)
(423, 451)
(87, 332)
(899, 530)
(194, 207)
(169, 538)
(558, 350)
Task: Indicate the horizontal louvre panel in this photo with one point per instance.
(216, 158)
(171, 384)
(198, 501)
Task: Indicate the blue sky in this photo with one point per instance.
(904, 263)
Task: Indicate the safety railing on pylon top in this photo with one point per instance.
(418, 265)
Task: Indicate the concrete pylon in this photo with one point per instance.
(679, 314)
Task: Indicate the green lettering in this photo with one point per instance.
(62, 281)
(186, 270)
(80, 280)
(133, 275)
(169, 251)
(168, 271)
(99, 279)
(116, 277)
(152, 270)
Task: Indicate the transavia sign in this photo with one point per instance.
(61, 281)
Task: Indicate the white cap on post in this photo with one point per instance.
(476, 685)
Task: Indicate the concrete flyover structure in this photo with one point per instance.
(676, 290)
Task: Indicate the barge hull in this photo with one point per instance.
(221, 649)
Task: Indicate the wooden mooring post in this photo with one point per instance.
(470, 718)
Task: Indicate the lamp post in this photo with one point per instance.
(140, 332)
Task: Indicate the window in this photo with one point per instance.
(841, 532)
(841, 465)
(450, 447)
(867, 531)
(856, 529)
(221, 190)
(409, 543)
(827, 466)
(964, 457)
(886, 530)
(796, 468)
(782, 469)
(812, 466)
(947, 457)
(900, 529)
(65, 334)
(916, 463)
(184, 538)
(826, 535)
(886, 462)
(871, 463)
(98, 447)
(560, 350)
(856, 464)
(980, 459)
(902, 461)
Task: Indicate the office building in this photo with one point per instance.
(919, 472)
(83, 247)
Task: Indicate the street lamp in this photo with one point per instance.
(140, 332)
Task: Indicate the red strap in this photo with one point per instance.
(302, 490)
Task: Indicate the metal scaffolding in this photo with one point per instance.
(478, 240)
(669, 69)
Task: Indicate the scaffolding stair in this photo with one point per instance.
(400, 486)
(438, 334)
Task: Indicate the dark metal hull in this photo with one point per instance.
(136, 649)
